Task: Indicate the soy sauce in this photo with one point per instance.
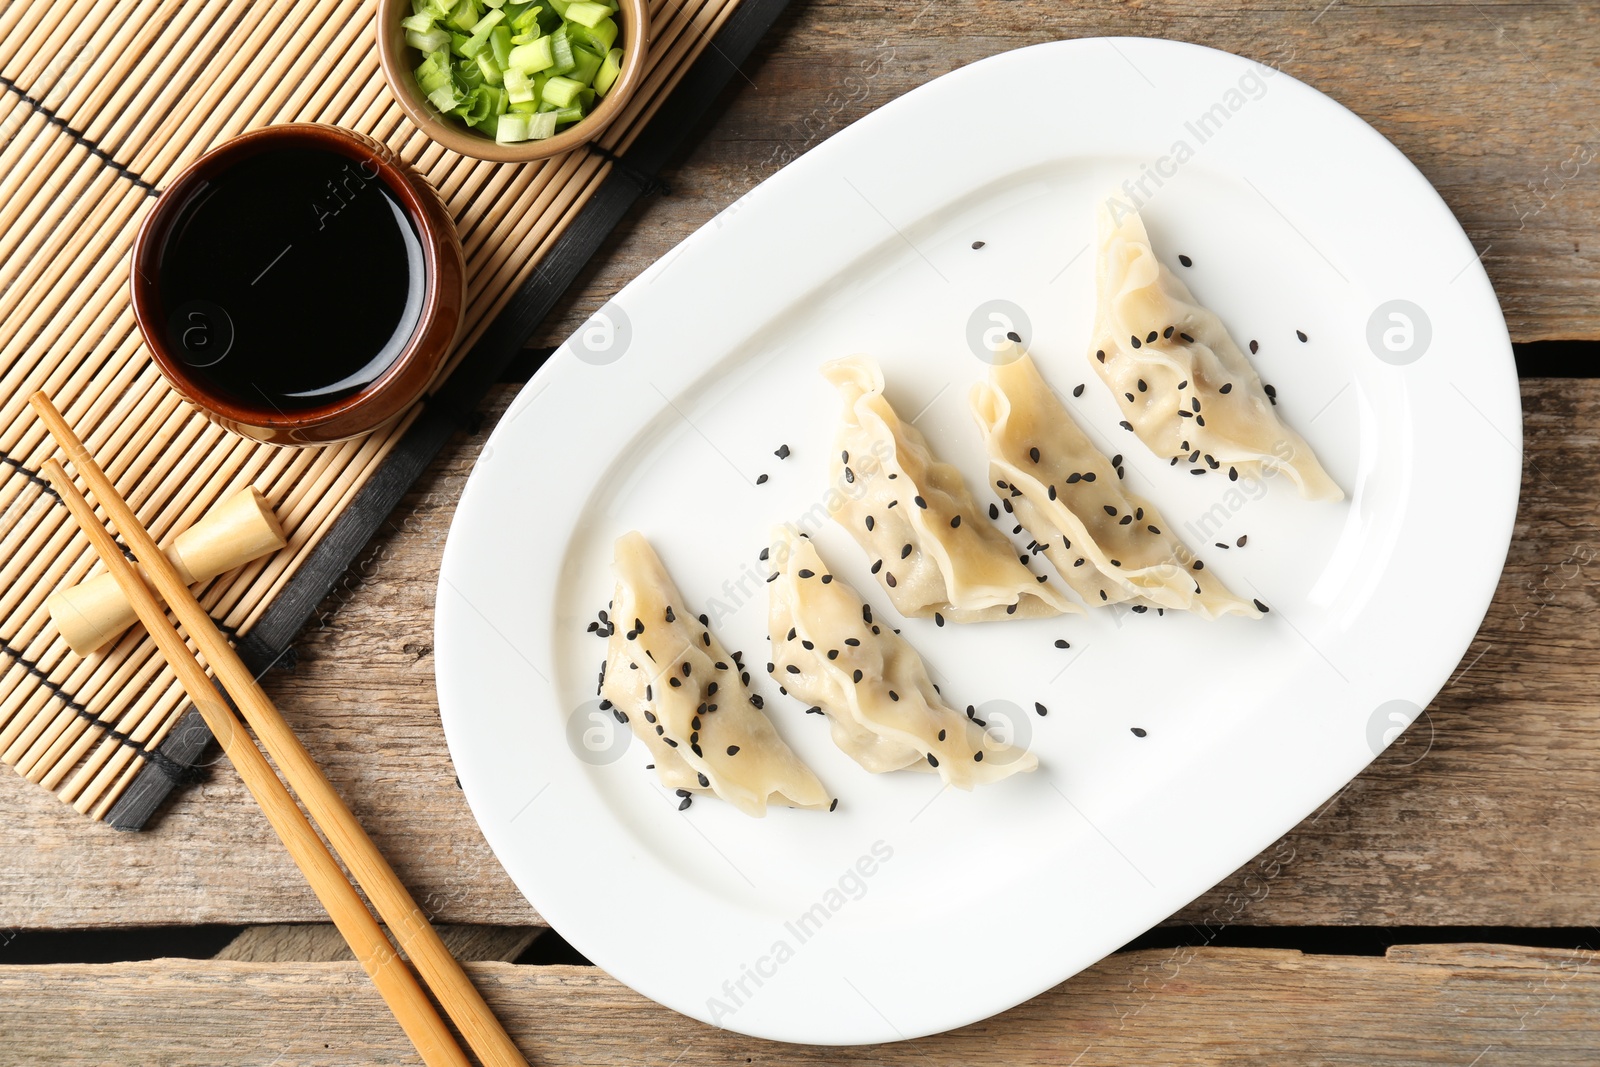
(291, 280)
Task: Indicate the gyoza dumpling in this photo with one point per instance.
(933, 551)
(1109, 544)
(883, 709)
(1184, 387)
(682, 695)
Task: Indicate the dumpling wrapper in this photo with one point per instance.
(881, 706)
(677, 721)
(1109, 544)
(933, 550)
(1139, 298)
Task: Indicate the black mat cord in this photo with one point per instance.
(647, 183)
(29, 473)
(176, 772)
(94, 149)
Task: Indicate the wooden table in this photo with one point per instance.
(1485, 817)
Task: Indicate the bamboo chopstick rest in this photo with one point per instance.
(233, 533)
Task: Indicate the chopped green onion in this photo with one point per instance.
(562, 91)
(586, 13)
(428, 40)
(561, 48)
(609, 70)
(500, 46)
(541, 125)
(532, 57)
(511, 128)
(585, 65)
(597, 38)
(514, 69)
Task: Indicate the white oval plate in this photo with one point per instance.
(909, 911)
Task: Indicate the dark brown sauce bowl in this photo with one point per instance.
(395, 389)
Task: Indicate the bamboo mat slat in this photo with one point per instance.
(87, 139)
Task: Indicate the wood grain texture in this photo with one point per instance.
(1497, 103)
(1484, 815)
(1422, 1005)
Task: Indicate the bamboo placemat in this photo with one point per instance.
(89, 138)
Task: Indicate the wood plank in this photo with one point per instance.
(1492, 825)
(1490, 101)
(1444, 1004)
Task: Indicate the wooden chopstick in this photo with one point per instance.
(439, 970)
(393, 978)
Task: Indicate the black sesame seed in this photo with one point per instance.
(1033, 454)
(893, 695)
(1129, 396)
(1078, 563)
(1014, 337)
(1262, 607)
(1125, 424)
(1061, 643)
(1194, 402)
(1101, 356)
(668, 740)
(1140, 609)
(921, 503)
(1197, 470)
(1136, 342)
(681, 792)
(792, 669)
(905, 550)
(975, 244)
(1151, 339)
(849, 475)
(1199, 420)
(1302, 335)
(1116, 562)
(807, 574)
(813, 711)
(878, 566)
(1153, 529)
(955, 522)
(1125, 520)
(870, 523)
(782, 452)
(994, 511)
(938, 619)
(1221, 545)
(835, 803)
(1187, 339)
(1052, 491)
(1103, 595)
(1269, 390)
(772, 577)
(1186, 261)
(1227, 387)
(1255, 346)
(1074, 478)
(1110, 510)
(1040, 708)
(756, 701)
(1233, 474)
(1242, 539)
(888, 579)
(705, 782)
(1078, 391)
(1138, 731)
(1199, 565)
(593, 626)
(1011, 609)
(686, 801)
(1168, 332)
(761, 479)
(932, 760)
(856, 676)
(1088, 476)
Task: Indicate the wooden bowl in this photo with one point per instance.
(395, 389)
(399, 59)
